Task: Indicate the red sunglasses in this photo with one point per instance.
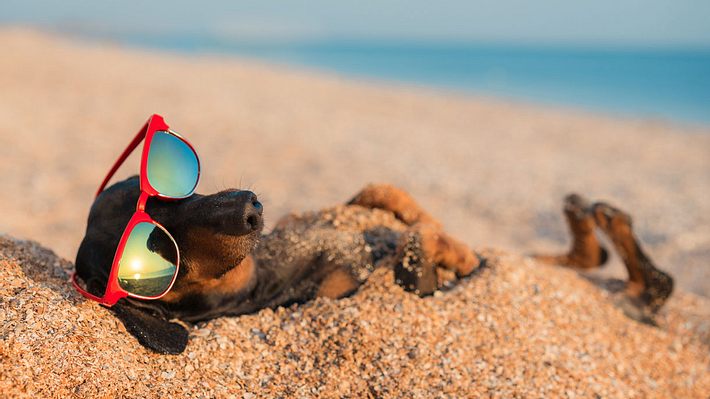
(147, 258)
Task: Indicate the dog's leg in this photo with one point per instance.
(585, 253)
(430, 259)
(395, 200)
(647, 286)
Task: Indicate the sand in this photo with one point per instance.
(515, 329)
(493, 172)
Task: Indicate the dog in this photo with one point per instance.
(229, 268)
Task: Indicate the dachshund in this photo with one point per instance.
(229, 268)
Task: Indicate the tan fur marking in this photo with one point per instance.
(395, 200)
(231, 282)
(618, 228)
(585, 252)
(337, 284)
(446, 251)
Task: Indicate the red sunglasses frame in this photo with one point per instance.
(114, 292)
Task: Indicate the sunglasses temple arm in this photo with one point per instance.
(132, 146)
(81, 290)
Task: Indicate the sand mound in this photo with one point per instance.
(516, 328)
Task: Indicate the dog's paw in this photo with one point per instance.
(634, 308)
(414, 271)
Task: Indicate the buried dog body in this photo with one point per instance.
(228, 268)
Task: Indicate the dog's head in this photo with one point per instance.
(215, 235)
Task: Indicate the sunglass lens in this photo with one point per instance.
(148, 262)
(173, 168)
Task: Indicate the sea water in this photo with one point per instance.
(669, 83)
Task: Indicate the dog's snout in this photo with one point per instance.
(233, 212)
(252, 211)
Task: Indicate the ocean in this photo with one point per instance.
(666, 84)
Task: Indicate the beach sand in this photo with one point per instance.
(515, 329)
(494, 172)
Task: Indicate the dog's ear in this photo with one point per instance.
(152, 331)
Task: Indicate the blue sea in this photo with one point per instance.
(670, 84)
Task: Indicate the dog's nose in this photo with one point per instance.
(239, 212)
(257, 206)
(253, 211)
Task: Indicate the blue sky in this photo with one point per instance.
(599, 22)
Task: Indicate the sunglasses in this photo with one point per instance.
(147, 259)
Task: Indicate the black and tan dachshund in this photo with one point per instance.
(228, 267)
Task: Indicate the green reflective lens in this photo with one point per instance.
(173, 168)
(149, 261)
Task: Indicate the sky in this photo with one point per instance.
(645, 23)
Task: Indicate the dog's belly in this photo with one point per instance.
(303, 249)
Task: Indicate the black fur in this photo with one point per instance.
(215, 233)
(152, 330)
(235, 215)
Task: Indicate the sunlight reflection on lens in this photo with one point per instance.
(148, 262)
